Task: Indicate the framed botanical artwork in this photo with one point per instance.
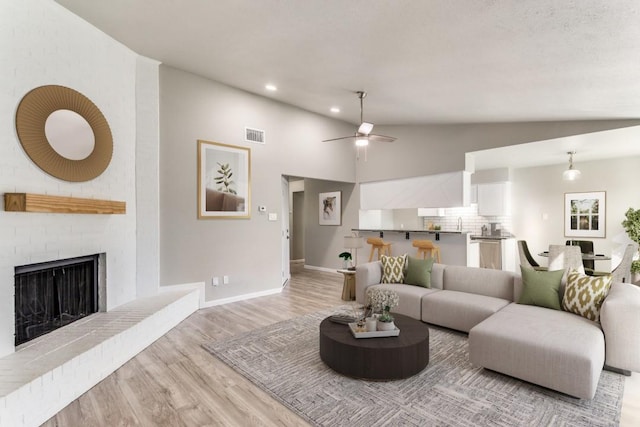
(224, 180)
(330, 208)
(585, 214)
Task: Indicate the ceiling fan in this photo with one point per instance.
(363, 135)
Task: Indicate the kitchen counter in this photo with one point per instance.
(454, 245)
(477, 237)
(404, 230)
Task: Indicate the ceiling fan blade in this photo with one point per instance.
(338, 139)
(381, 138)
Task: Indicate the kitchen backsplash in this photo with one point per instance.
(471, 221)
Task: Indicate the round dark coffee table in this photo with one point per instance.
(385, 358)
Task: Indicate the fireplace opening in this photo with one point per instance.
(54, 294)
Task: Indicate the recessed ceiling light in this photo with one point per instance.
(335, 110)
(271, 87)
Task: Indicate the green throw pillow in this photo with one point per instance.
(419, 272)
(584, 295)
(541, 288)
(393, 268)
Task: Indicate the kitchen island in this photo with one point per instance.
(454, 245)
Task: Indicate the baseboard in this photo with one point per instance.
(326, 270)
(297, 261)
(624, 372)
(213, 303)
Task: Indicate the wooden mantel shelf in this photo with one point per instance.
(25, 202)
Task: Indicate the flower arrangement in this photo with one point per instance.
(382, 300)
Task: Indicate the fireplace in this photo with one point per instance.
(54, 294)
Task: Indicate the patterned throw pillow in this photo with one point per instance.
(584, 295)
(393, 268)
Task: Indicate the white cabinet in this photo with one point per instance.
(494, 199)
(444, 190)
(430, 211)
(473, 196)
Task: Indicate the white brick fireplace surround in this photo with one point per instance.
(49, 372)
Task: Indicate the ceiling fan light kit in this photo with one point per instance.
(365, 128)
(362, 141)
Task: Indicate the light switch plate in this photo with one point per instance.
(273, 216)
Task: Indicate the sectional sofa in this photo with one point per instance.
(552, 348)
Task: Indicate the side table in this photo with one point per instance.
(349, 287)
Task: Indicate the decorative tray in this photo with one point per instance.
(375, 334)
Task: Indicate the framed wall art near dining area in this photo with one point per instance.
(585, 214)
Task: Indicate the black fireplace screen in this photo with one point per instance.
(51, 295)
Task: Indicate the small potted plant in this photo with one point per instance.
(632, 226)
(346, 257)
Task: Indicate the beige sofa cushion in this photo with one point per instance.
(437, 276)
(409, 298)
(480, 281)
(459, 310)
(552, 348)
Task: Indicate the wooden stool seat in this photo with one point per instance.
(380, 245)
(426, 247)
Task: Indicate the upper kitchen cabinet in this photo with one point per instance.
(430, 211)
(445, 190)
(494, 199)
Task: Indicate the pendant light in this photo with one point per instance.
(571, 174)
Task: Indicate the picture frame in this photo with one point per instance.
(585, 214)
(224, 181)
(330, 208)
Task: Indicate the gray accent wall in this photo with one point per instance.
(323, 243)
(249, 251)
(297, 226)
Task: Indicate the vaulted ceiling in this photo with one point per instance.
(437, 61)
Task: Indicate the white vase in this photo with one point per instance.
(386, 326)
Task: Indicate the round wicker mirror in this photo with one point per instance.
(34, 110)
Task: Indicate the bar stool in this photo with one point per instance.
(380, 245)
(426, 247)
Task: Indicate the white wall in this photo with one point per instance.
(247, 250)
(540, 190)
(42, 43)
(147, 177)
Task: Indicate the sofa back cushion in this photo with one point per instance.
(437, 276)
(480, 281)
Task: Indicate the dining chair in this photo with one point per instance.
(525, 256)
(586, 247)
(565, 257)
(622, 272)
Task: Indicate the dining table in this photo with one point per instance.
(585, 257)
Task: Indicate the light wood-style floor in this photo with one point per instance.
(175, 382)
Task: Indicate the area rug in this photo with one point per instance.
(284, 360)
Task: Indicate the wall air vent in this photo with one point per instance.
(254, 135)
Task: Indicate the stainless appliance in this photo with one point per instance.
(491, 254)
(496, 228)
